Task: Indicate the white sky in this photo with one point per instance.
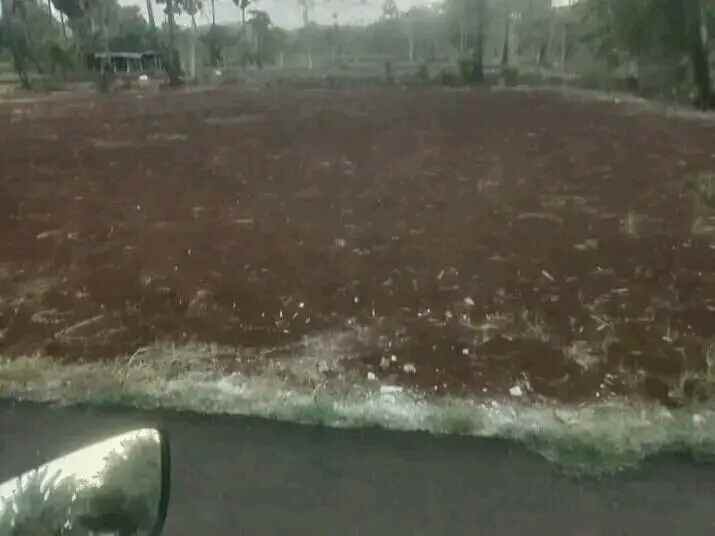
(287, 13)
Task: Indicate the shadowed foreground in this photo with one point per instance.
(247, 476)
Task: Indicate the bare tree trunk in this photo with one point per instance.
(462, 38)
(28, 38)
(507, 37)
(699, 51)
(150, 14)
(516, 39)
(550, 39)
(309, 32)
(478, 69)
(564, 40)
(704, 34)
(173, 67)
(105, 67)
(49, 12)
(336, 40)
(213, 12)
(171, 20)
(194, 39)
(9, 26)
(478, 56)
(105, 31)
(259, 48)
(64, 26)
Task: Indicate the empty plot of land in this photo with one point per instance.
(490, 243)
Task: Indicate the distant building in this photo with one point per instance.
(126, 62)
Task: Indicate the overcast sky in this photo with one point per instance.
(287, 13)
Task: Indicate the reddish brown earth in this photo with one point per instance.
(489, 239)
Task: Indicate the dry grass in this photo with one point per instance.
(702, 187)
(631, 224)
(697, 384)
(581, 353)
(524, 325)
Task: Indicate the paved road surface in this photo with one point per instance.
(235, 476)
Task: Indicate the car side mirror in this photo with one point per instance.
(117, 487)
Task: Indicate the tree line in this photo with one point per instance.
(637, 41)
(54, 37)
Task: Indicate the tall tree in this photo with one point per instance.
(334, 38)
(172, 63)
(411, 23)
(150, 14)
(243, 35)
(634, 29)
(260, 27)
(479, 39)
(389, 10)
(459, 24)
(507, 32)
(14, 37)
(243, 6)
(29, 35)
(308, 30)
(696, 31)
(192, 8)
(536, 28)
(64, 26)
(422, 27)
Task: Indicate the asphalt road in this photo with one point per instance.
(235, 476)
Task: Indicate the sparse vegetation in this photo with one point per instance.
(643, 46)
(703, 186)
(631, 224)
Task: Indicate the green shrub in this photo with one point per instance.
(510, 76)
(448, 77)
(48, 83)
(423, 73)
(466, 69)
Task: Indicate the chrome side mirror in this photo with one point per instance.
(117, 487)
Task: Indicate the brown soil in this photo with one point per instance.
(487, 239)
